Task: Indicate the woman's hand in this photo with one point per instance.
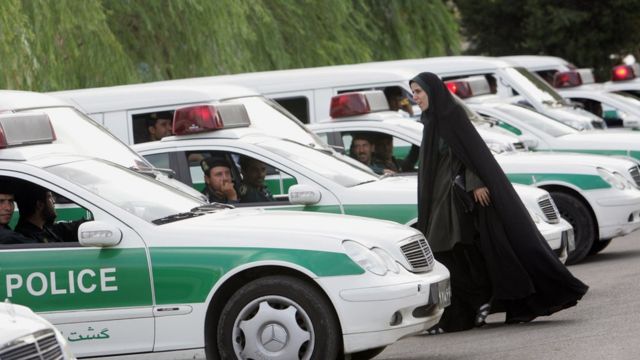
(481, 195)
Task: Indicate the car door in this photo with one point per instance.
(100, 298)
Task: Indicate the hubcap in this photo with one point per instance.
(274, 337)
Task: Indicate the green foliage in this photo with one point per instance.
(584, 32)
(60, 44)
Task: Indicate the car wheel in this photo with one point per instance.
(367, 354)
(278, 317)
(579, 216)
(599, 245)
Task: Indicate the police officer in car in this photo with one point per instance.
(253, 188)
(219, 182)
(37, 215)
(7, 207)
(159, 125)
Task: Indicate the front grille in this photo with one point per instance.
(549, 209)
(635, 174)
(41, 345)
(418, 254)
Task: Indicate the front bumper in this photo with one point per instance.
(617, 215)
(376, 311)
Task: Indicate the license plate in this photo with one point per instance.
(444, 293)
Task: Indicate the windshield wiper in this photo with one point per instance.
(196, 211)
(177, 217)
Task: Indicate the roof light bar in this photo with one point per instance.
(625, 72)
(204, 118)
(468, 87)
(358, 103)
(25, 129)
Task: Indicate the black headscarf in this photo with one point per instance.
(521, 265)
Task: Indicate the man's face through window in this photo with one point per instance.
(7, 206)
(384, 148)
(218, 177)
(161, 129)
(254, 173)
(362, 150)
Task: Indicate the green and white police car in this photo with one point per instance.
(155, 273)
(303, 177)
(598, 195)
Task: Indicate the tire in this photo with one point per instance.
(367, 354)
(599, 245)
(578, 215)
(278, 317)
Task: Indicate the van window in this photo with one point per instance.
(298, 106)
(151, 126)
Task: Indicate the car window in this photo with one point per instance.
(534, 86)
(133, 192)
(34, 203)
(538, 121)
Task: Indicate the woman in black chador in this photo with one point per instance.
(489, 243)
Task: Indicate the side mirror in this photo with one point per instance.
(302, 194)
(529, 142)
(98, 234)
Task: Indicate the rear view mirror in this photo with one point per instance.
(98, 234)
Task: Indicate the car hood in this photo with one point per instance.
(257, 227)
(18, 321)
(604, 139)
(557, 161)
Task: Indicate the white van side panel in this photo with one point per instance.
(323, 103)
(118, 124)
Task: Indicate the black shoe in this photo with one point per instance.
(481, 314)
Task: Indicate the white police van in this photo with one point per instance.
(598, 195)
(155, 273)
(26, 335)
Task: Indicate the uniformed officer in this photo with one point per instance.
(253, 188)
(219, 182)
(159, 125)
(362, 149)
(37, 215)
(7, 207)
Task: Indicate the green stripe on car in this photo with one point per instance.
(584, 182)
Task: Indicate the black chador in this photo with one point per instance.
(498, 244)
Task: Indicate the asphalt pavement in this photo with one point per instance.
(604, 325)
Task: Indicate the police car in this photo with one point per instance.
(506, 81)
(598, 195)
(305, 178)
(624, 78)
(26, 335)
(155, 273)
(618, 108)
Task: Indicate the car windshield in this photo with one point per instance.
(89, 138)
(329, 165)
(534, 87)
(131, 191)
(538, 121)
(275, 120)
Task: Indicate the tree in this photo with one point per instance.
(583, 32)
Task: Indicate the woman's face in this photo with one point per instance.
(420, 96)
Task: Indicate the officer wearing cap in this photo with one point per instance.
(7, 207)
(159, 125)
(219, 184)
(253, 175)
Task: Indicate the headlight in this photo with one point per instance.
(389, 261)
(618, 182)
(366, 258)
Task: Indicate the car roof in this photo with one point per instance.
(22, 100)
(302, 79)
(248, 134)
(536, 62)
(444, 65)
(138, 96)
